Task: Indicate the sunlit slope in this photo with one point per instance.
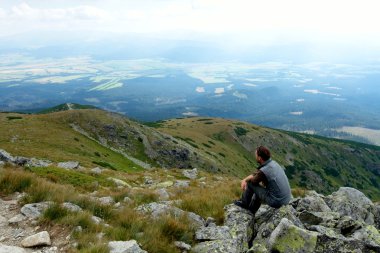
(311, 162)
(51, 137)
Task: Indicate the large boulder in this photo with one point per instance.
(351, 202)
(288, 238)
(217, 246)
(313, 202)
(368, 234)
(191, 174)
(213, 233)
(240, 222)
(125, 247)
(327, 243)
(5, 156)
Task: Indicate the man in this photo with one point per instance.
(270, 174)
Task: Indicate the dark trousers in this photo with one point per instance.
(253, 196)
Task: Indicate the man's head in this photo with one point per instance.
(262, 154)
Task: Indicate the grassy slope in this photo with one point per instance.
(50, 137)
(311, 162)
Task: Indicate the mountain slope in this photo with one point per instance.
(100, 138)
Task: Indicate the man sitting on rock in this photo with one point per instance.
(269, 174)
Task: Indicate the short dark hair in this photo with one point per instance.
(263, 152)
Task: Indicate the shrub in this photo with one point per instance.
(240, 131)
(54, 212)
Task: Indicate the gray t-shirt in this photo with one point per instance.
(278, 185)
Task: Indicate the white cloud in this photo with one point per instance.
(2, 13)
(200, 89)
(320, 92)
(250, 84)
(334, 88)
(296, 113)
(219, 90)
(300, 100)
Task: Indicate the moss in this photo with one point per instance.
(294, 241)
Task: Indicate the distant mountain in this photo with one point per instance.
(101, 138)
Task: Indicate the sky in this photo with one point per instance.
(246, 21)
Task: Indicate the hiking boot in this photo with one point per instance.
(240, 203)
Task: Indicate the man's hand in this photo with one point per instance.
(243, 185)
(245, 181)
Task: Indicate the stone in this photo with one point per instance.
(33, 162)
(269, 220)
(377, 215)
(96, 171)
(191, 174)
(125, 247)
(156, 210)
(39, 239)
(35, 210)
(368, 234)
(182, 246)
(288, 238)
(217, 246)
(128, 200)
(165, 184)
(96, 219)
(72, 207)
(313, 202)
(351, 202)
(3, 220)
(11, 249)
(148, 180)
(5, 156)
(16, 219)
(119, 182)
(162, 194)
(107, 201)
(240, 223)
(2, 164)
(316, 218)
(181, 183)
(326, 243)
(213, 233)
(258, 248)
(21, 161)
(70, 165)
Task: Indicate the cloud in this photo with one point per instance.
(25, 11)
(219, 90)
(2, 13)
(240, 95)
(296, 113)
(200, 89)
(320, 92)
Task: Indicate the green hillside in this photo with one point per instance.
(109, 140)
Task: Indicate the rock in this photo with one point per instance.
(5, 156)
(213, 233)
(258, 248)
(3, 220)
(33, 162)
(35, 210)
(182, 246)
(21, 161)
(288, 238)
(269, 220)
(377, 215)
(107, 201)
(192, 174)
(11, 249)
(165, 184)
(351, 202)
(125, 247)
(119, 182)
(148, 180)
(96, 219)
(316, 218)
(313, 202)
(155, 210)
(210, 221)
(72, 207)
(329, 244)
(181, 183)
(217, 246)
(368, 234)
(96, 171)
(70, 165)
(240, 222)
(128, 200)
(2, 164)
(39, 239)
(162, 194)
(16, 219)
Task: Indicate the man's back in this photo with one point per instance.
(278, 185)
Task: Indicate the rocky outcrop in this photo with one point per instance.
(345, 221)
(5, 157)
(70, 165)
(125, 247)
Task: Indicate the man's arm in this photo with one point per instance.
(255, 178)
